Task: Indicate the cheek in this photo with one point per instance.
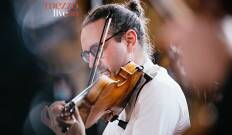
(115, 56)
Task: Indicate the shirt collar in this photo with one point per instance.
(147, 65)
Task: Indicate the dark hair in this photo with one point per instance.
(124, 17)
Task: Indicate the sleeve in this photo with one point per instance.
(156, 111)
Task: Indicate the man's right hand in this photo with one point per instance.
(53, 117)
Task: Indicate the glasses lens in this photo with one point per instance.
(85, 56)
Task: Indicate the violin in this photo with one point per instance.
(106, 94)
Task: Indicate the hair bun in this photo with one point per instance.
(134, 6)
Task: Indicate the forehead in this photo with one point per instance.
(91, 33)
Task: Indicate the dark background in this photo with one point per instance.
(20, 77)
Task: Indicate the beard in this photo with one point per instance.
(103, 70)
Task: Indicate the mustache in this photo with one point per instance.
(102, 70)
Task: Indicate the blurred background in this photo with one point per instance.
(40, 58)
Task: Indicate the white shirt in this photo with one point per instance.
(160, 109)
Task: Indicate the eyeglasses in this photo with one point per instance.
(94, 48)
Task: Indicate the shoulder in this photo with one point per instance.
(161, 84)
(163, 91)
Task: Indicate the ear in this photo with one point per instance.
(131, 38)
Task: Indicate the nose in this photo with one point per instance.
(91, 61)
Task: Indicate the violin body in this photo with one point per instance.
(109, 94)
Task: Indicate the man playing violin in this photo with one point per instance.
(160, 107)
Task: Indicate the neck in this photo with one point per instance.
(140, 57)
